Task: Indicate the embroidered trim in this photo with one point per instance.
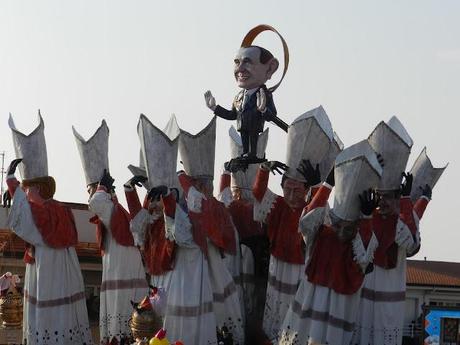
(228, 291)
(280, 286)
(187, 311)
(194, 200)
(54, 302)
(225, 197)
(322, 316)
(122, 284)
(179, 228)
(138, 226)
(383, 296)
(364, 256)
(310, 223)
(403, 237)
(264, 207)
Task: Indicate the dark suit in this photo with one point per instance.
(249, 120)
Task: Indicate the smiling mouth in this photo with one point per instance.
(242, 76)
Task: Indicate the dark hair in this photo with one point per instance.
(284, 177)
(265, 55)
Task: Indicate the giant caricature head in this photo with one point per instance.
(254, 66)
(389, 202)
(294, 192)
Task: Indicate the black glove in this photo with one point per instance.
(275, 167)
(107, 181)
(369, 202)
(6, 199)
(235, 165)
(313, 176)
(156, 192)
(406, 186)
(427, 191)
(13, 165)
(330, 180)
(136, 180)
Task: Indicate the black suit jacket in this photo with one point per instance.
(248, 118)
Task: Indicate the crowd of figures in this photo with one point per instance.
(240, 266)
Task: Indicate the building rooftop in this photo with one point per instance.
(433, 273)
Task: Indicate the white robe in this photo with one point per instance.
(318, 314)
(189, 313)
(54, 295)
(123, 276)
(226, 298)
(382, 306)
(283, 277)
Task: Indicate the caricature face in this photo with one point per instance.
(249, 71)
(389, 203)
(294, 193)
(156, 207)
(345, 229)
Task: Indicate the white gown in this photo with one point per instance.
(54, 295)
(123, 276)
(382, 305)
(189, 313)
(318, 314)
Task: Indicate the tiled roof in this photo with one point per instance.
(433, 273)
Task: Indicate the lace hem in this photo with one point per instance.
(264, 207)
(364, 256)
(138, 226)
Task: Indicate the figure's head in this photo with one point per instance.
(254, 66)
(294, 192)
(389, 202)
(345, 229)
(204, 185)
(45, 186)
(155, 207)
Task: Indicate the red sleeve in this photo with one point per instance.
(185, 182)
(225, 180)
(12, 184)
(169, 203)
(320, 198)
(260, 184)
(406, 214)
(134, 204)
(420, 206)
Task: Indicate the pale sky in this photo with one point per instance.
(82, 61)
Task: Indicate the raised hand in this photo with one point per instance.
(6, 199)
(427, 191)
(275, 167)
(369, 201)
(13, 165)
(156, 192)
(406, 186)
(311, 175)
(136, 180)
(261, 101)
(210, 100)
(235, 165)
(107, 181)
